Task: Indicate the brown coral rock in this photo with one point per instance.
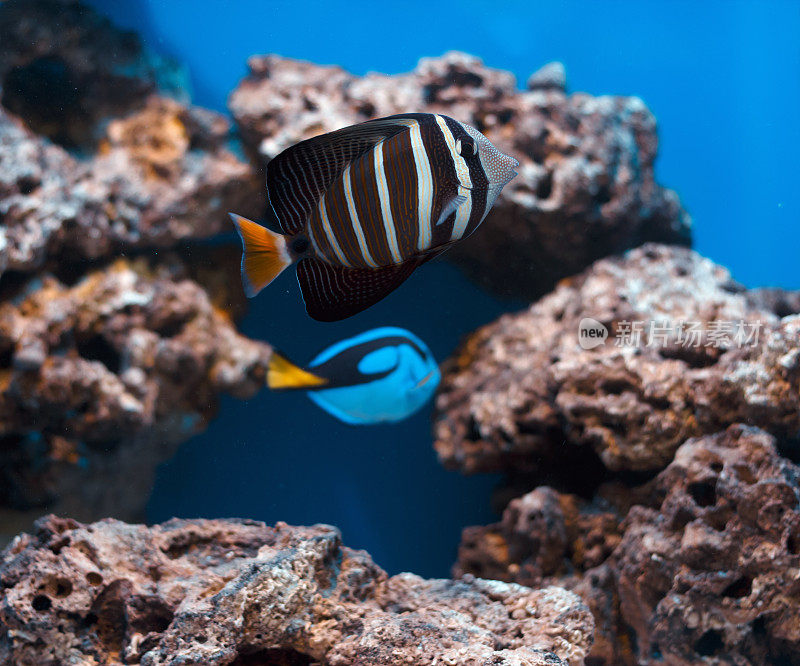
(552, 538)
(100, 381)
(162, 175)
(704, 570)
(237, 592)
(711, 575)
(542, 534)
(64, 68)
(585, 187)
(522, 390)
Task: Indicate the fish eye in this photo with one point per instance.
(466, 148)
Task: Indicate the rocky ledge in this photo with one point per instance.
(699, 566)
(688, 352)
(586, 186)
(237, 593)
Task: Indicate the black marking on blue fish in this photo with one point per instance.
(342, 369)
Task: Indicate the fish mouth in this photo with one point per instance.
(425, 379)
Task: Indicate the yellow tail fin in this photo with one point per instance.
(264, 255)
(283, 374)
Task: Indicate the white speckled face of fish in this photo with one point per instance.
(499, 167)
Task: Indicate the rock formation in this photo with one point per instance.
(585, 187)
(160, 176)
(238, 592)
(522, 392)
(64, 69)
(701, 569)
(105, 368)
(100, 381)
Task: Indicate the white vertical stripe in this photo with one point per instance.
(386, 207)
(326, 226)
(464, 181)
(351, 207)
(424, 187)
(317, 249)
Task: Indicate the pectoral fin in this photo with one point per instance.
(450, 208)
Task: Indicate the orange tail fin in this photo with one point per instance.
(264, 254)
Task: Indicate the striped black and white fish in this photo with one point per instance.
(360, 208)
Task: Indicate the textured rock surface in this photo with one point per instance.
(541, 534)
(706, 569)
(550, 538)
(102, 377)
(238, 592)
(64, 68)
(585, 187)
(521, 390)
(161, 175)
(100, 381)
(712, 573)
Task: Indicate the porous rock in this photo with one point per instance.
(220, 592)
(552, 76)
(711, 574)
(543, 533)
(100, 381)
(522, 391)
(585, 187)
(550, 538)
(160, 176)
(703, 568)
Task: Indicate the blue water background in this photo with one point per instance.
(723, 79)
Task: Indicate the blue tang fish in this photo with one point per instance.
(383, 375)
(361, 208)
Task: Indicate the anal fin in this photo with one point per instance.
(332, 293)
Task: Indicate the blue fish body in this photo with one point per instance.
(380, 376)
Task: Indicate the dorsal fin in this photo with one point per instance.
(297, 177)
(332, 293)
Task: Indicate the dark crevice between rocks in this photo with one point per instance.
(41, 603)
(97, 348)
(789, 447)
(12, 284)
(47, 96)
(108, 615)
(694, 357)
(709, 644)
(740, 588)
(544, 188)
(6, 355)
(575, 470)
(704, 493)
